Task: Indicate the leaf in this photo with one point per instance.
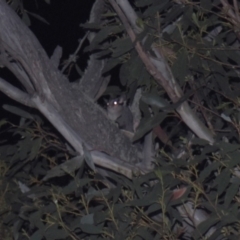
(88, 159)
(110, 65)
(217, 234)
(147, 124)
(87, 219)
(154, 100)
(37, 235)
(199, 141)
(25, 147)
(233, 55)
(26, 19)
(228, 147)
(3, 122)
(79, 71)
(222, 181)
(36, 145)
(35, 219)
(91, 26)
(15, 4)
(92, 193)
(180, 67)
(124, 73)
(233, 159)
(203, 227)
(207, 171)
(150, 11)
(92, 229)
(153, 208)
(55, 232)
(99, 216)
(67, 167)
(175, 12)
(38, 17)
(144, 233)
(230, 194)
(103, 34)
(206, 4)
(18, 111)
(143, 3)
(121, 46)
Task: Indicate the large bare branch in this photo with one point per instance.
(72, 112)
(16, 94)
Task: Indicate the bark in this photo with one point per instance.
(80, 119)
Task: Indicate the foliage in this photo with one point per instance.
(77, 204)
(66, 203)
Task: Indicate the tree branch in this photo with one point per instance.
(161, 72)
(16, 94)
(72, 112)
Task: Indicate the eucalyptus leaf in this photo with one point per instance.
(68, 167)
(121, 46)
(230, 194)
(143, 3)
(55, 232)
(203, 227)
(91, 228)
(222, 181)
(88, 159)
(38, 17)
(18, 111)
(147, 124)
(36, 145)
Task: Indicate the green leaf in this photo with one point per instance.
(208, 170)
(88, 159)
(26, 19)
(55, 232)
(3, 122)
(154, 100)
(199, 141)
(222, 181)
(111, 64)
(175, 12)
(18, 111)
(36, 145)
(92, 193)
(15, 4)
(233, 159)
(150, 11)
(230, 194)
(147, 124)
(103, 34)
(121, 46)
(143, 3)
(87, 219)
(228, 147)
(144, 233)
(38, 17)
(206, 4)
(92, 229)
(91, 26)
(68, 167)
(37, 235)
(180, 67)
(203, 227)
